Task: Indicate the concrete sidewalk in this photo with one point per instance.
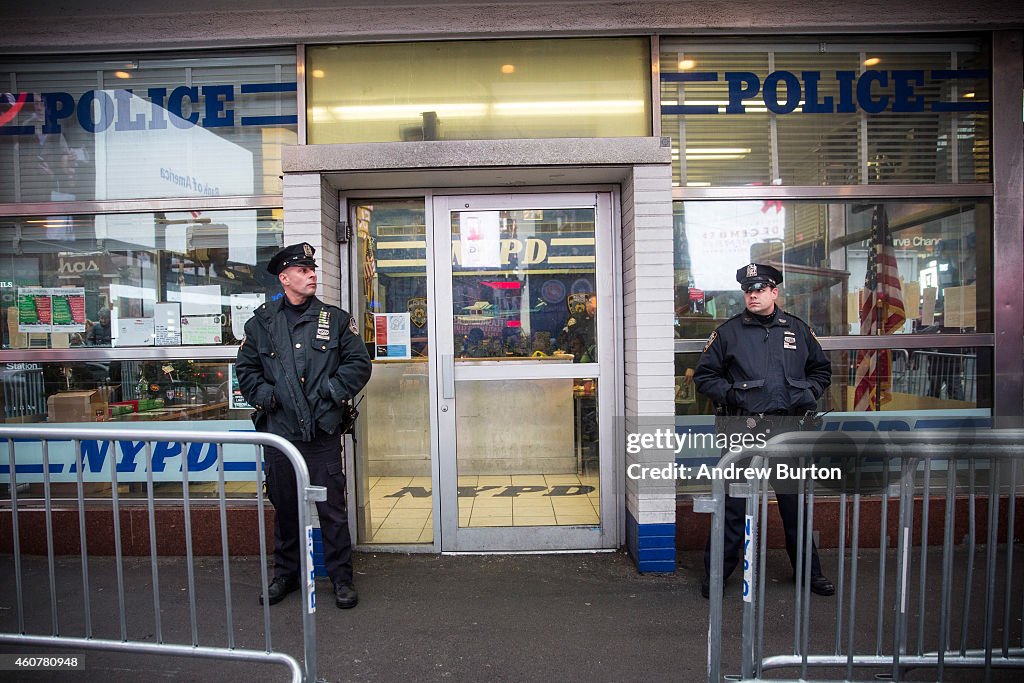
(569, 617)
(420, 617)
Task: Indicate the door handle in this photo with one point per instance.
(447, 376)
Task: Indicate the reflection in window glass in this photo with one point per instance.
(478, 90)
(827, 111)
(835, 257)
(157, 394)
(925, 388)
(120, 391)
(133, 127)
(393, 458)
(174, 278)
(940, 378)
(937, 378)
(544, 476)
(524, 284)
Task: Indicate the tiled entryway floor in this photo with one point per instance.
(399, 508)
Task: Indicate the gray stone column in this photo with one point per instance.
(648, 309)
(311, 215)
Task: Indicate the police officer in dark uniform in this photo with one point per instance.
(764, 364)
(578, 336)
(300, 363)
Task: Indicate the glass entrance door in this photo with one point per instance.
(522, 361)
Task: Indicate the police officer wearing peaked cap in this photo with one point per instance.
(578, 337)
(299, 365)
(759, 367)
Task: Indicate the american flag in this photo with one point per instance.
(881, 312)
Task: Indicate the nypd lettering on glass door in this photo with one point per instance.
(95, 111)
(873, 92)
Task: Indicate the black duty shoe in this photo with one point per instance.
(280, 587)
(822, 586)
(345, 596)
(705, 586)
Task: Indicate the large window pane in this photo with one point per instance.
(830, 257)
(827, 111)
(157, 394)
(394, 500)
(120, 391)
(524, 284)
(478, 90)
(923, 388)
(546, 477)
(934, 378)
(139, 126)
(175, 278)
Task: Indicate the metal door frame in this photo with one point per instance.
(444, 373)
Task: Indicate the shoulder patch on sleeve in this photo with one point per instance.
(711, 340)
(353, 326)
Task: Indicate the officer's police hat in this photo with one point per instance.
(757, 276)
(293, 255)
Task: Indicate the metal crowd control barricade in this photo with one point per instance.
(910, 471)
(158, 646)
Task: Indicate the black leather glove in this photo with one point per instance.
(730, 398)
(324, 391)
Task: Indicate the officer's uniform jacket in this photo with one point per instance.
(579, 326)
(301, 377)
(754, 368)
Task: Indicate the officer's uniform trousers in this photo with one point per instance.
(323, 458)
(736, 508)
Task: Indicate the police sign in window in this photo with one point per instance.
(139, 127)
(822, 112)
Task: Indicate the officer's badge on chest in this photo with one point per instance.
(789, 340)
(323, 326)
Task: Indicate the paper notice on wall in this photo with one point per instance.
(242, 236)
(200, 300)
(928, 295)
(238, 401)
(176, 238)
(51, 309)
(34, 309)
(853, 310)
(724, 236)
(911, 300)
(242, 308)
(480, 239)
(67, 309)
(392, 335)
(201, 329)
(134, 332)
(137, 229)
(959, 310)
(167, 324)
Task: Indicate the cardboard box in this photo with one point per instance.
(76, 406)
(108, 392)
